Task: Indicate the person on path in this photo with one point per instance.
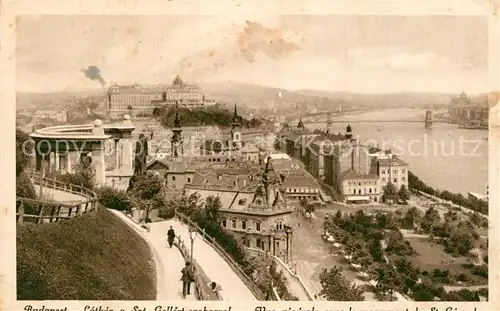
(170, 236)
(187, 278)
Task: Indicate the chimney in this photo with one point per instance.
(244, 182)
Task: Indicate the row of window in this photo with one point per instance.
(362, 183)
(361, 191)
(243, 224)
(394, 171)
(302, 190)
(233, 224)
(394, 180)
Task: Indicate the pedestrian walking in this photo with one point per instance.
(170, 236)
(187, 278)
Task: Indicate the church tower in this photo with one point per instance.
(235, 132)
(348, 132)
(176, 140)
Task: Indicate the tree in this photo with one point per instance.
(185, 204)
(337, 288)
(114, 199)
(148, 189)
(390, 192)
(431, 218)
(24, 149)
(404, 194)
(376, 251)
(212, 208)
(387, 280)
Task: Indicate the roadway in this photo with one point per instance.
(168, 261)
(58, 195)
(214, 266)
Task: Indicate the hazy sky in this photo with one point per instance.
(335, 53)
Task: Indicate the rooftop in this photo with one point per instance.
(393, 161)
(299, 179)
(353, 175)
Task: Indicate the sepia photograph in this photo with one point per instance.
(278, 158)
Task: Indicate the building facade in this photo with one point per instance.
(139, 100)
(253, 208)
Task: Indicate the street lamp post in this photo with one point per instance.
(192, 235)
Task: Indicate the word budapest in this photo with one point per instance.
(43, 308)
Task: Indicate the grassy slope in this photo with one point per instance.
(92, 257)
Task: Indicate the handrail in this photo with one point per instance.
(201, 280)
(295, 276)
(219, 249)
(53, 211)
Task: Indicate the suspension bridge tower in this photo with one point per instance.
(428, 119)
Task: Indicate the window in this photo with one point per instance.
(370, 190)
(395, 180)
(403, 170)
(244, 224)
(279, 225)
(173, 178)
(403, 178)
(257, 226)
(224, 222)
(233, 223)
(259, 244)
(189, 180)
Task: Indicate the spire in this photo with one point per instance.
(301, 124)
(236, 118)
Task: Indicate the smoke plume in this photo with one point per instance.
(94, 74)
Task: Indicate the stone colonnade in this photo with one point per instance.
(63, 160)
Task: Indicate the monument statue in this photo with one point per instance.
(141, 153)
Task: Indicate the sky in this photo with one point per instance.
(363, 54)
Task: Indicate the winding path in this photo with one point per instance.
(169, 261)
(214, 266)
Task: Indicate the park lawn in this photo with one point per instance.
(430, 256)
(95, 256)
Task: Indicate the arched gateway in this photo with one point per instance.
(59, 146)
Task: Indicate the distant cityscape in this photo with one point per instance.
(266, 179)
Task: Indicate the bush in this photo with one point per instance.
(166, 212)
(114, 199)
(24, 187)
(481, 271)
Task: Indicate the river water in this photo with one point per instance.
(443, 156)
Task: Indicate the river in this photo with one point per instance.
(443, 156)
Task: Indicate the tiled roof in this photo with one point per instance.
(299, 178)
(226, 178)
(353, 175)
(394, 161)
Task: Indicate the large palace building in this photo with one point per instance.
(139, 100)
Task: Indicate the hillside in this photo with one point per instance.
(92, 257)
(259, 97)
(208, 116)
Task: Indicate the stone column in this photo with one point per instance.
(38, 160)
(51, 162)
(57, 162)
(63, 164)
(69, 169)
(117, 154)
(127, 155)
(98, 162)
